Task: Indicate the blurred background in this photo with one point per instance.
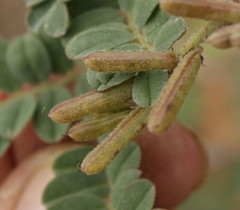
(212, 110)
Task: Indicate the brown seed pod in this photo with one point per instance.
(106, 151)
(225, 37)
(113, 99)
(116, 61)
(217, 10)
(86, 130)
(174, 92)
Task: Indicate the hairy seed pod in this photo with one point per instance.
(174, 92)
(217, 10)
(106, 151)
(86, 130)
(225, 37)
(116, 61)
(113, 99)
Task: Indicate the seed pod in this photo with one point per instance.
(113, 99)
(218, 10)
(225, 37)
(174, 92)
(90, 129)
(235, 39)
(125, 132)
(115, 61)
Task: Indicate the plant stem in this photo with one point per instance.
(199, 37)
(68, 78)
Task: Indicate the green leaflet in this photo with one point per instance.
(60, 63)
(45, 127)
(4, 145)
(68, 161)
(120, 185)
(15, 114)
(80, 202)
(142, 10)
(30, 3)
(57, 20)
(148, 86)
(129, 158)
(74, 183)
(77, 191)
(139, 195)
(8, 82)
(52, 14)
(98, 38)
(36, 15)
(82, 86)
(92, 18)
(77, 7)
(28, 59)
(103, 81)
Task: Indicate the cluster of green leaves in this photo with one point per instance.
(119, 187)
(31, 59)
(55, 16)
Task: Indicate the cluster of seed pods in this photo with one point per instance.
(114, 110)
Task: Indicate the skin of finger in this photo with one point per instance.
(175, 162)
(7, 164)
(21, 179)
(32, 143)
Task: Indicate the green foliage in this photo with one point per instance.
(45, 127)
(8, 82)
(89, 192)
(15, 114)
(23, 60)
(148, 86)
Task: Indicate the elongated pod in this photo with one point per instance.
(226, 37)
(174, 92)
(116, 61)
(217, 10)
(113, 99)
(90, 129)
(106, 151)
